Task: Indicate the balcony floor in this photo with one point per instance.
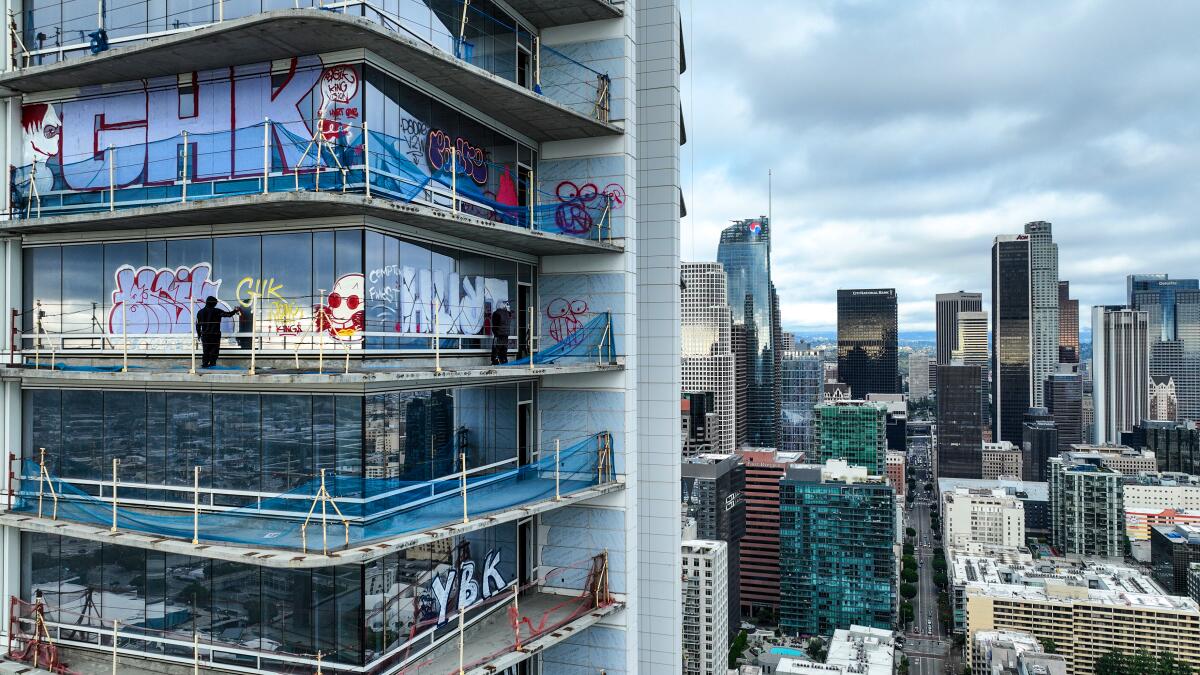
(488, 645)
(286, 33)
(279, 206)
(564, 12)
(277, 558)
(384, 377)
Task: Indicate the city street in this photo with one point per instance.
(927, 640)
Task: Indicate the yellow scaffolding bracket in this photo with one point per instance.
(324, 499)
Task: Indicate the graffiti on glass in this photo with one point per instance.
(160, 300)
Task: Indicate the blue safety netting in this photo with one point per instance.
(374, 509)
(591, 342)
(152, 173)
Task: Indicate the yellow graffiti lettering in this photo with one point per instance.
(250, 289)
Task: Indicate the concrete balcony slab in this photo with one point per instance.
(282, 206)
(286, 33)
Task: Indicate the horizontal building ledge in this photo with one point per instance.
(280, 206)
(286, 33)
(358, 380)
(267, 557)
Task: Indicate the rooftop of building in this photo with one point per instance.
(700, 546)
(858, 650)
(832, 471)
(992, 493)
(1089, 449)
(1163, 479)
(853, 403)
(1179, 533)
(1064, 581)
(1002, 446)
(1027, 490)
(1018, 640)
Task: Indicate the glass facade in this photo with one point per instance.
(745, 253)
(960, 422)
(801, 388)
(248, 444)
(855, 432)
(867, 341)
(836, 560)
(257, 617)
(292, 288)
(1011, 383)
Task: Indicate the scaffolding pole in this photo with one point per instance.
(266, 155)
(321, 334)
(114, 653)
(114, 493)
(124, 341)
(462, 456)
(196, 506)
(557, 471)
(185, 167)
(112, 191)
(366, 159)
(44, 481)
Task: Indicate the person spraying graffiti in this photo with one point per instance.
(208, 329)
(501, 320)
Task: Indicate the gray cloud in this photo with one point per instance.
(904, 136)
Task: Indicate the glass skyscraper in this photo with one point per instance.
(1011, 329)
(802, 386)
(1172, 309)
(837, 564)
(867, 340)
(745, 252)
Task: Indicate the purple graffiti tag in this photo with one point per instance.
(565, 320)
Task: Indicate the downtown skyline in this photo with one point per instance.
(942, 144)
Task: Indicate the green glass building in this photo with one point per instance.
(855, 431)
(837, 561)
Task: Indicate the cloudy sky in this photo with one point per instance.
(904, 135)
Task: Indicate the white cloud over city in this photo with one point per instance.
(903, 136)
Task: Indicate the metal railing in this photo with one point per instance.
(335, 156)
(467, 32)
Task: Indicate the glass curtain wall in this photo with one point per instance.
(266, 443)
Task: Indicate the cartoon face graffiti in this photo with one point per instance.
(344, 314)
(42, 127)
(564, 319)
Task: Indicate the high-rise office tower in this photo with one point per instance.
(739, 337)
(1039, 442)
(777, 353)
(1158, 296)
(368, 198)
(698, 422)
(948, 307)
(1012, 329)
(708, 358)
(1025, 324)
(705, 607)
(1068, 325)
(1087, 515)
(801, 388)
(1011, 335)
(867, 341)
(1043, 298)
(745, 252)
(1164, 398)
(960, 422)
(918, 375)
(1120, 370)
(972, 350)
(854, 431)
(714, 495)
(759, 565)
(837, 556)
(972, 347)
(1064, 400)
(1172, 307)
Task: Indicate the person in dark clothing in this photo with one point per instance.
(208, 329)
(501, 320)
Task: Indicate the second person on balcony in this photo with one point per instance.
(208, 329)
(501, 318)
